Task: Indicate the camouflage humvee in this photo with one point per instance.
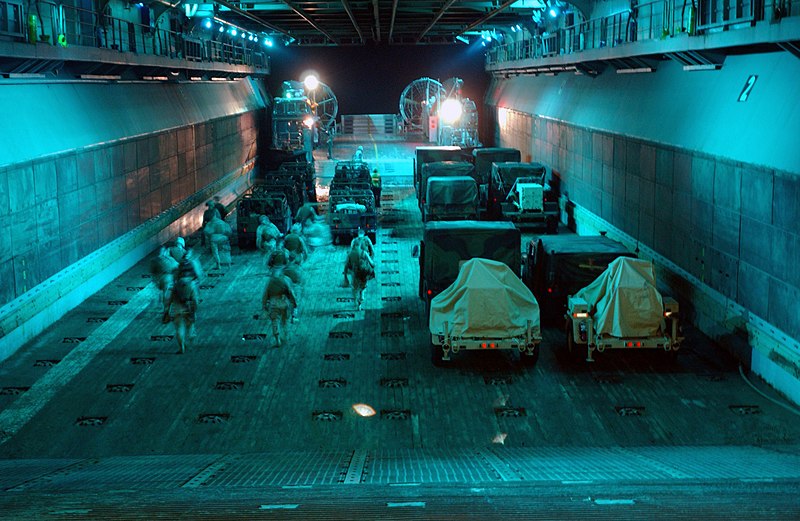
(441, 169)
(432, 154)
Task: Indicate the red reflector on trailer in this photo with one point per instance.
(638, 344)
(483, 345)
(630, 344)
(492, 345)
(430, 292)
(549, 290)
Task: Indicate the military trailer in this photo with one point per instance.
(303, 177)
(446, 245)
(286, 185)
(483, 158)
(622, 309)
(560, 265)
(520, 193)
(432, 154)
(450, 199)
(487, 308)
(442, 169)
(350, 209)
(351, 174)
(259, 201)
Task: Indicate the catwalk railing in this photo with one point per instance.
(649, 21)
(54, 24)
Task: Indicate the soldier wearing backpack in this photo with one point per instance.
(279, 301)
(184, 299)
(361, 269)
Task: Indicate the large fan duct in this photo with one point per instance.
(419, 100)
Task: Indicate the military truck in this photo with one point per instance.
(446, 245)
(560, 265)
(432, 154)
(622, 309)
(442, 169)
(350, 209)
(257, 201)
(520, 193)
(487, 307)
(450, 199)
(483, 158)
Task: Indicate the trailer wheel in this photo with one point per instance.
(529, 360)
(436, 355)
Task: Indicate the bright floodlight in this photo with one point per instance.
(450, 111)
(207, 24)
(309, 122)
(311, 82)
(553, 12)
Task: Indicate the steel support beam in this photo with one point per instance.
(391, 24)
(251, 17)
(349, 12)
(441, 12)
(488, 16)
(376, 14)
(299, 12)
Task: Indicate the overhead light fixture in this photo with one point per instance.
(463, 39)
(222, 28)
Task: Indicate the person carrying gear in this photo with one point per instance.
(363, 242)
(208, 215)
(163, 269)
(218, 206)
(295, 244)
(267, 235)
(306, 214)
(183, 300)
(218, 233)
(358, 156)
(278, 301)
(178, 251)
(278, 257)
(360, 267)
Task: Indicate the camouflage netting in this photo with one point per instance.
(624, 300)
(487, 300)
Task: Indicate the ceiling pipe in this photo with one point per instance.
(349, 12)
(441, 12)
(488, 16)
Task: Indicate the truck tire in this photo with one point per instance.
(551, 225)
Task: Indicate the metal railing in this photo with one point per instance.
(71, 26)
(649, 21)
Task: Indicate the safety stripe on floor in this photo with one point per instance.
(31, 402)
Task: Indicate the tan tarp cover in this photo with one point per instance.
(486, 301)
(624, 299)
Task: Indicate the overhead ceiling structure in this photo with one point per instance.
(363, 22)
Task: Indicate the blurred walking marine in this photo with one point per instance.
(278, 257)
(218, 206)
(178, 251)
(295, 244)
(184, 299)
(163, 268)
(279, 301)
(267, 235)
(363, 242)
(208, 215)
(358, 156)
(306, 214)
(219, 233)
(361, 269)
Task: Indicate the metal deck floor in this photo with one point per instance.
(102, 402)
